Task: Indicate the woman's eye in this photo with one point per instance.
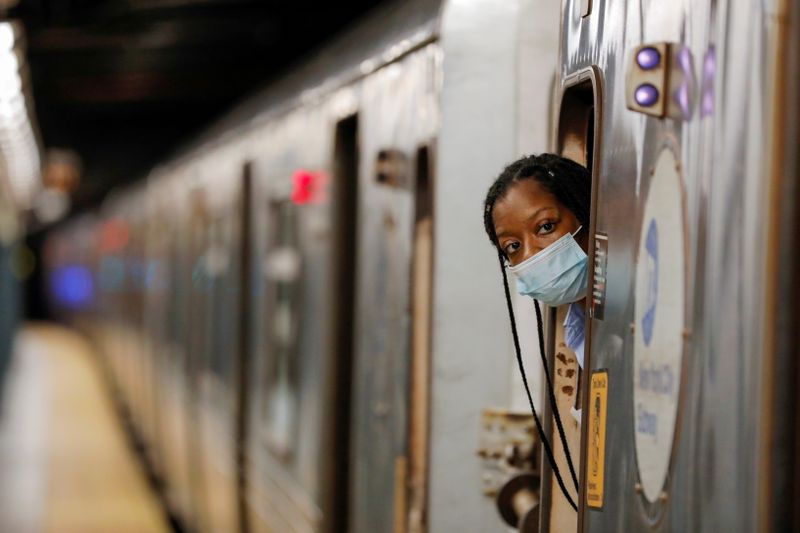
(546, 228)
(511, 248)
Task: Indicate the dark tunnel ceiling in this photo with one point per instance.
(124, 83)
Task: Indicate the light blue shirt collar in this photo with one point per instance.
(574, 330)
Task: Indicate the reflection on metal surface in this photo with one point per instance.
(707, 87)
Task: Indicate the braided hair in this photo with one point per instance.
(571, 184)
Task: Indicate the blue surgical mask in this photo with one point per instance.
(557, 275)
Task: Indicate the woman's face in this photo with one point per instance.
(528, 218)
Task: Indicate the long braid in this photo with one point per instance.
(570, 183)
(542, 436)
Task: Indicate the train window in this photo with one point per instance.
(579, 119)
(283, 268)
(576, 123)
(576, 141)
(217, 264)
(391, 168)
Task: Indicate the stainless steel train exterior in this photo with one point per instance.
(301, 313)
(693, 374)
(306, 323)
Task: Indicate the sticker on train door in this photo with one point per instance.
(659, 333)
(596, 449)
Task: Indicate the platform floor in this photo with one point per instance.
(65, 462)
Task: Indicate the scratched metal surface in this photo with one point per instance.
(714, 476)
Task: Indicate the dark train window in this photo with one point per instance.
(218, 267)
(283, 269)
(576, 138)
(392, 168)
(576, 124)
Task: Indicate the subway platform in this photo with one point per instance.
(67, 464)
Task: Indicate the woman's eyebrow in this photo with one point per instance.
(502, 233)
(536, 213)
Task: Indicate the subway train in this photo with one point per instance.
(304, 321)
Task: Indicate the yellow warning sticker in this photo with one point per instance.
(596, 451)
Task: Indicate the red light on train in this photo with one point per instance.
(308, 187)
(114, 236)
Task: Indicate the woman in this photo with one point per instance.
(537, 215)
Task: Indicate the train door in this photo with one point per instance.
(577, 139)
(389, 446)
(156, 319)
(344, 202)
(197, 337)
(175, 378)
(216, 373)
(278, 496)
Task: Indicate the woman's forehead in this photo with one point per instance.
(523, 198)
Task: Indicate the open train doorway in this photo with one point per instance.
(577, 138)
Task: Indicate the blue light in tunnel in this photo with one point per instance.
(72, 286)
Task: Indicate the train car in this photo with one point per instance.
(336, 170)
(685, 112)
(293, 309)
(169, 315)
